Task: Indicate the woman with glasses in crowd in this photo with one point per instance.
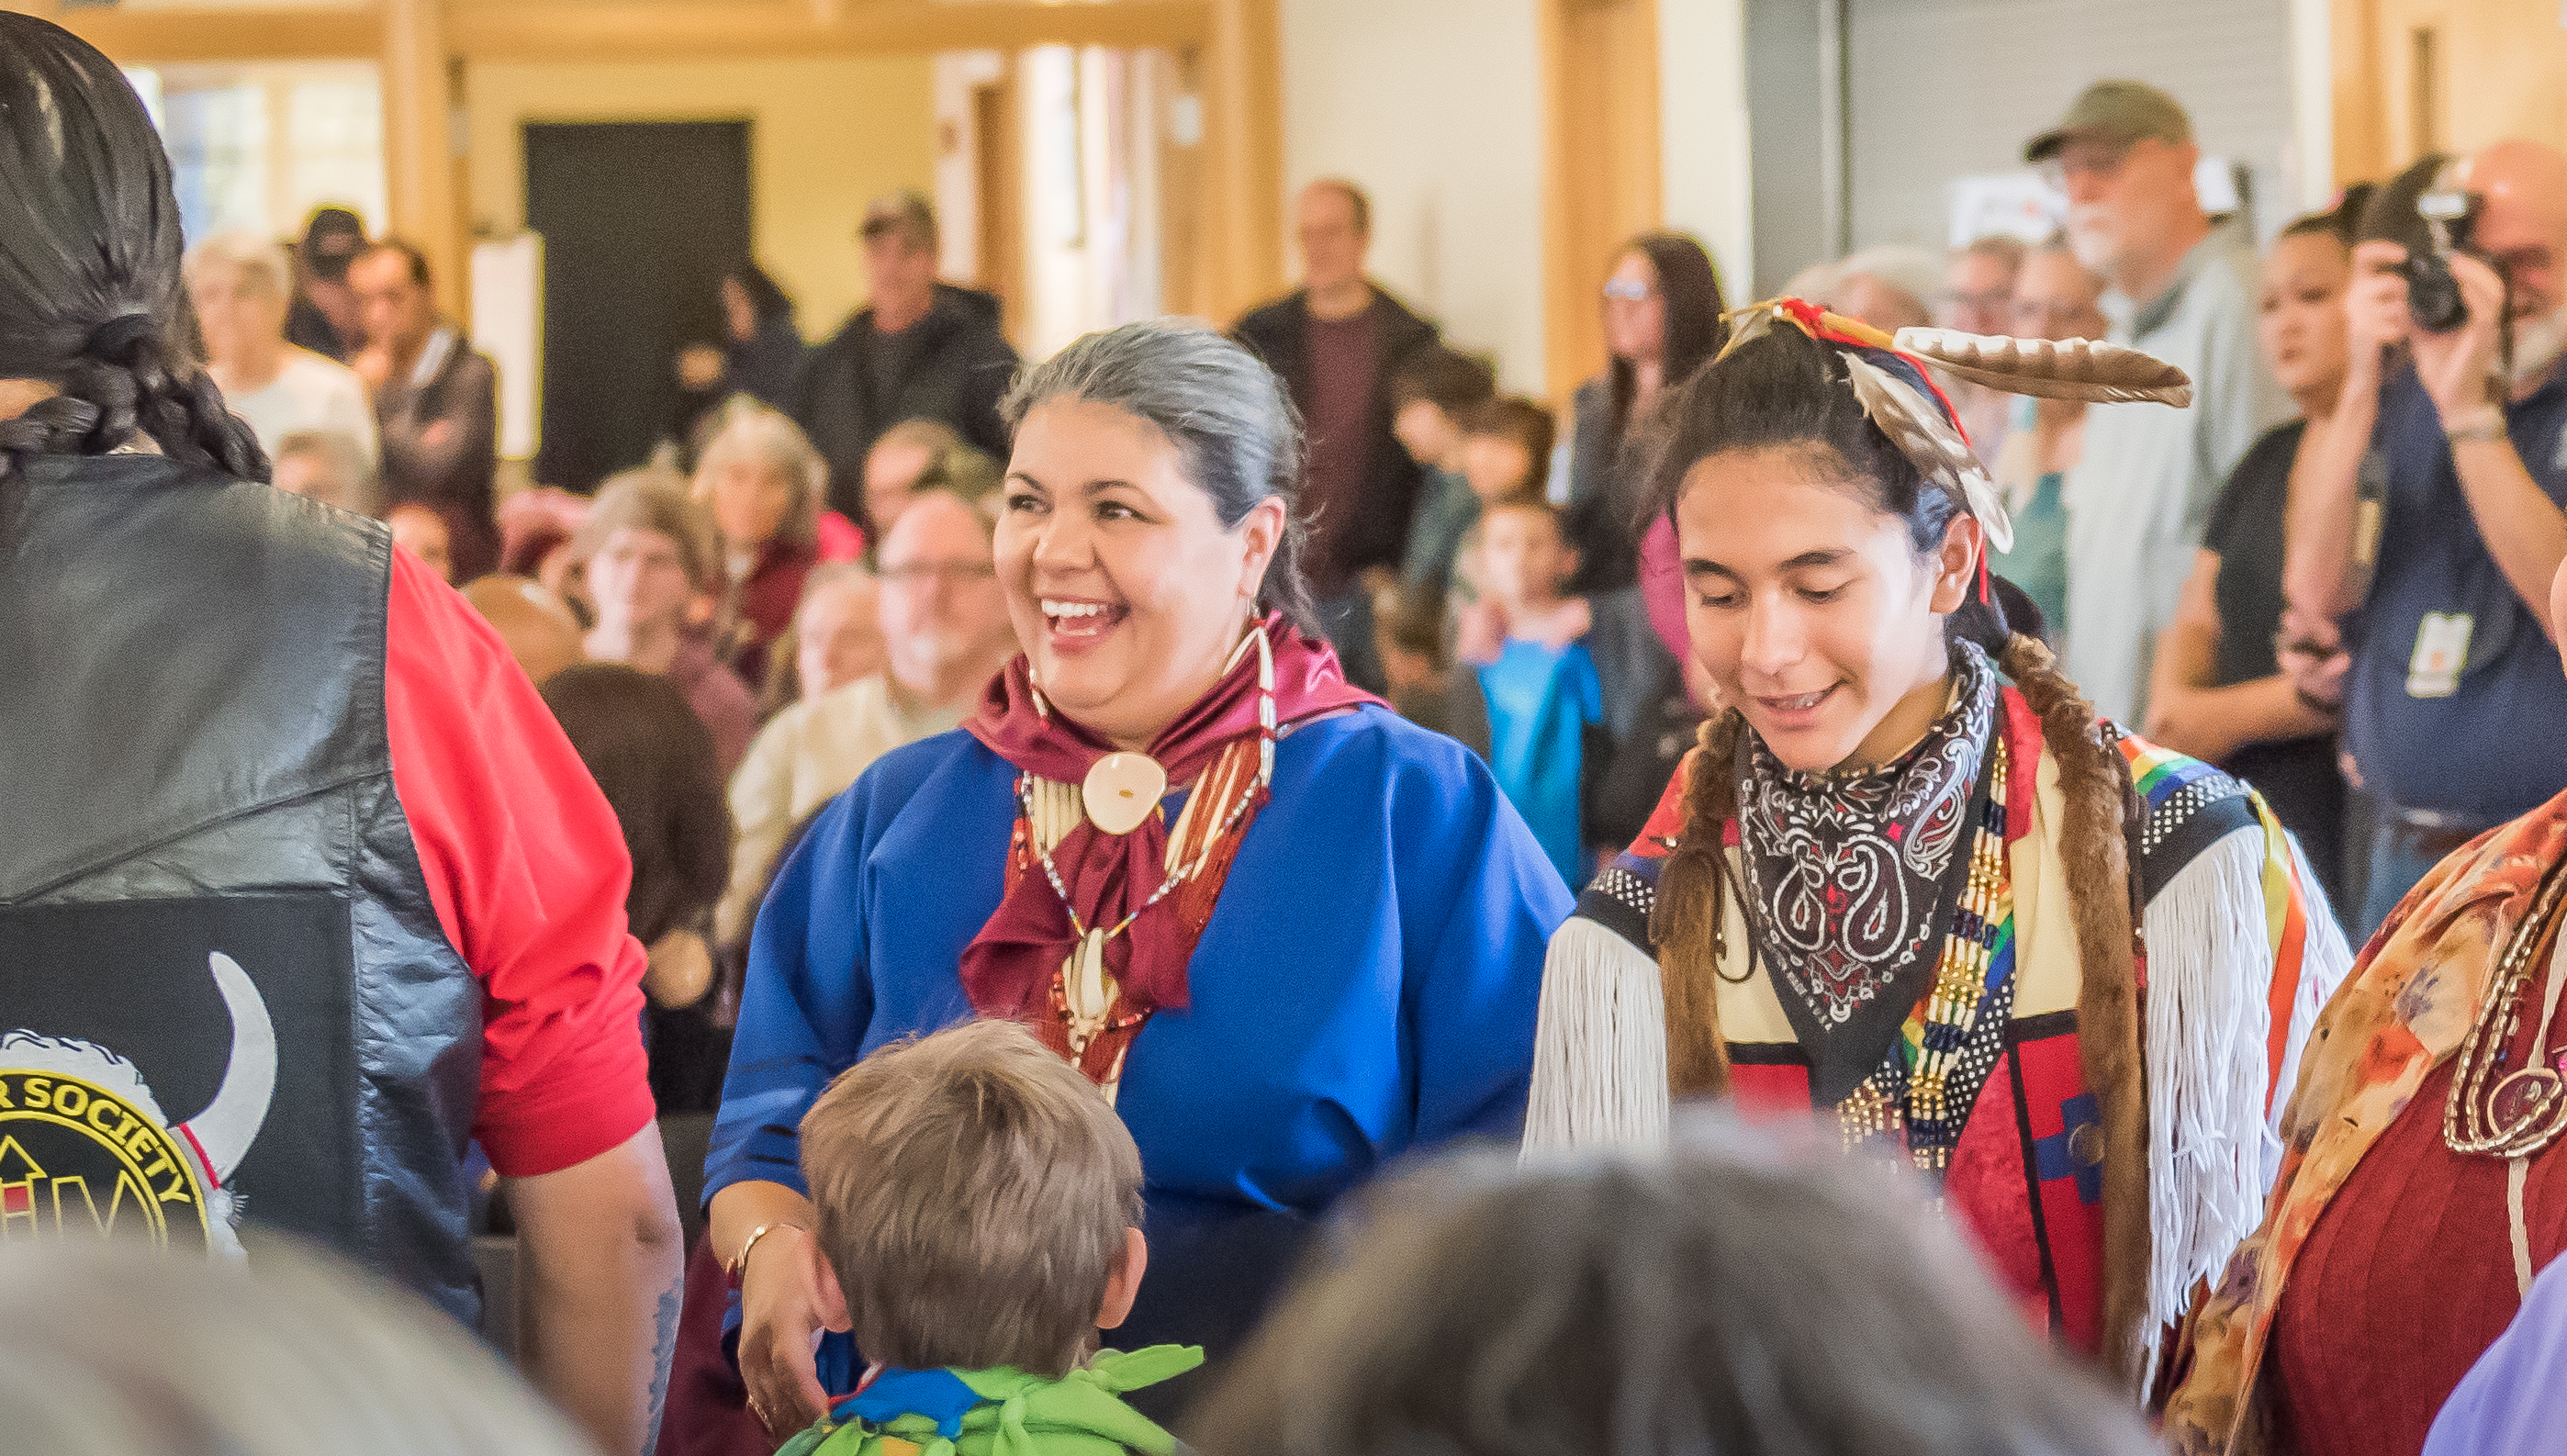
(1662, 307)
(2055, 298)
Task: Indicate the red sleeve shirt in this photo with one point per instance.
(528, 872)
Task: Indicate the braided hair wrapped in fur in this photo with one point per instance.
(91, 299)
(1786, 389)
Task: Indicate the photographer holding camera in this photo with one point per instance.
(2426, 520)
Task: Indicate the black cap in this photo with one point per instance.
(332, 240)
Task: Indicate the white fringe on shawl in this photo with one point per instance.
(1600, 1056)
(2212, 1150)
(1599, 1073)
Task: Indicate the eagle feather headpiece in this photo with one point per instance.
(1922, 423)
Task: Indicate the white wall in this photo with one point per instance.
(1434, 107)
(2309, 168)
(1702, 91)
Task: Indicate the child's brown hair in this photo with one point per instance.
(1528, 424)
(974, 1192)
(1447, 378)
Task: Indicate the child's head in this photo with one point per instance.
(1506, 448)
(979, 1204)
(1431, 392)
(1524, 555)
(1408, 632)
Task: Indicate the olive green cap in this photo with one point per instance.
(2122, 111)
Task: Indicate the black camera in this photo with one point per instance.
(2427, 211)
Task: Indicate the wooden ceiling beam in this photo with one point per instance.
(695, 30)
(636, 30)
(174, 36)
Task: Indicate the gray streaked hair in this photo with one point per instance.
(747, 428)
(1234, 427)
(260, 261)
(111, 1351)
(1743, 1291)
(826, 575)
(351, 480)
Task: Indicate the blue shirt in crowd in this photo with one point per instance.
(1540, 701)
(2485, 745)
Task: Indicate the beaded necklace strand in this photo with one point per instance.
(1086, 994)
(1968, 981)
(2492, 1111)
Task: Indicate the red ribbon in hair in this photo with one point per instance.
(1010, 965)
(1831, 328)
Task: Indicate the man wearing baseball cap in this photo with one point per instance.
(322, 316)
(2182, 286)
(920, 350)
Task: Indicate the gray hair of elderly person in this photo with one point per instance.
(328, 466)
(1746, 1293)
(783, 686)
(745, 429)
(1237, 435)
(2004, 248)
(111, 1349)
(261, 261)
(1897, 281)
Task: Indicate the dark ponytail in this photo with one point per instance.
(90, 295)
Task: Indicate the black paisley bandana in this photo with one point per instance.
(1853, 879)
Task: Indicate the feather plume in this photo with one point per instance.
(1749, 324)
(1927, 438)
(2066, 369)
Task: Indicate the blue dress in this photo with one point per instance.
(1540, 702)
(1365, 988)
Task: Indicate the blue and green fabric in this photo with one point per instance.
(1003, 1411)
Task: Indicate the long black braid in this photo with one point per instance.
(91, 301)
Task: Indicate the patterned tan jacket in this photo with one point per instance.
(2405, 1007)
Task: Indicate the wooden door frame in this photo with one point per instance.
(1576, 189)
(998, 184)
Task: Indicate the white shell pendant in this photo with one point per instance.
(1087, 990)
(1122, 791)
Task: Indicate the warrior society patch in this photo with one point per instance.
(169, 1067)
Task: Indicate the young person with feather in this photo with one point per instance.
(1909, 882)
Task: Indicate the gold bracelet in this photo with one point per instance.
(740, 1265)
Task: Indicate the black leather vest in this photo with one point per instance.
(224, 995)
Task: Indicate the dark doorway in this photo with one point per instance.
(639, 219)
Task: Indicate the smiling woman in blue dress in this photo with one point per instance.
(1293, 936)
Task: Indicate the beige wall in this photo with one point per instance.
(1435, 107)
(1702, 101)
(828, 135)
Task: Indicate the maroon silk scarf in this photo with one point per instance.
(1012, 966)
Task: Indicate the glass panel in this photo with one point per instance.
(258, 147)
(217, 141)
(336, 139)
